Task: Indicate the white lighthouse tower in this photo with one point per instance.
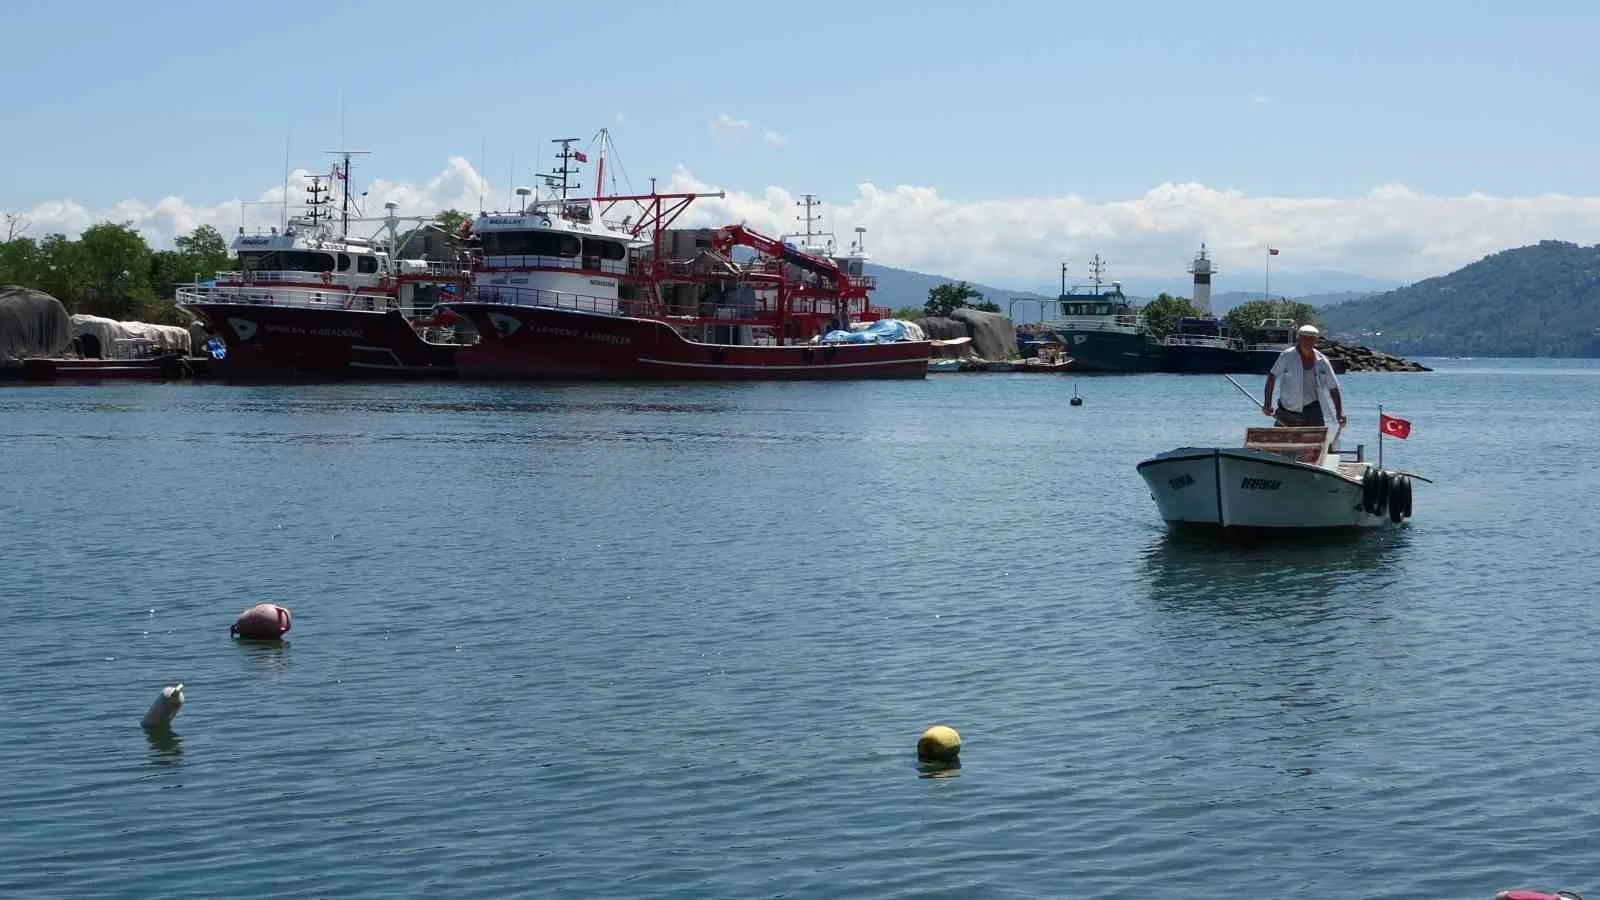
(1201, 267)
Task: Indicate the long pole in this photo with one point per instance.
(1380, 435)
(1241, 388)
(1267, 295)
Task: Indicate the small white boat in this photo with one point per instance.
(1282, 478)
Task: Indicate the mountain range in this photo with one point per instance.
(903, 287)
(1539, 300)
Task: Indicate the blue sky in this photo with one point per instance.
(984, 104)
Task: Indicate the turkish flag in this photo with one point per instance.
(580, 156)
(1272, 251)
(1393, 427)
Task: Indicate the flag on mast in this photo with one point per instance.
(1272, 251)
(580, 156)
(1393, 427)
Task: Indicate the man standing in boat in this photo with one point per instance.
(1305, 372)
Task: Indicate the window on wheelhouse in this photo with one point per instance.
(366, 265)
(604, 256)
(286, 261)
(344, 262)
(531, 243)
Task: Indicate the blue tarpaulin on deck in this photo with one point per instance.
(883, 331)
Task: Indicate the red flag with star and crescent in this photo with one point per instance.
(1394, 427)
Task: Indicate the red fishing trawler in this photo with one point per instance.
(313, 301)
(562, 289)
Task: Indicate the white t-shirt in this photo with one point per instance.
(1296, 391)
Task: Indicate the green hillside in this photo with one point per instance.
(1542, 300)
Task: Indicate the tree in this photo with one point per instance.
(951, 296)
(1246, 317)
(909, 312)
(115, 264)
(1162, 313)
(204, 249)
(450, 220)
(60, 271)
(20, 262)
(986, 306)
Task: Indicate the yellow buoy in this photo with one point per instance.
(940, 743)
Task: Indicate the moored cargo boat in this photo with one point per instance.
(312, 301)
(563, 290)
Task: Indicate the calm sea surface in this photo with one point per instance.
(638, 641)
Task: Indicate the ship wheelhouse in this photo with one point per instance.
(553, 253)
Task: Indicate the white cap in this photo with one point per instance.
(1308, 329)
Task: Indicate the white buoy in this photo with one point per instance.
(166, 706)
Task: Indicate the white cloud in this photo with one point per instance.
(458, 185)
(727, 128)
(725, 124)
(1388, 232)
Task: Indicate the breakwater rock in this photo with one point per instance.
(1366, 359)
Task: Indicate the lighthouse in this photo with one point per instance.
(1201, 267)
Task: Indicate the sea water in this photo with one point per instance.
(676, 640)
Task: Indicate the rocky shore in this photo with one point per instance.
(1365, 359)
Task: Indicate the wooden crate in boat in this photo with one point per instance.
(1303, 443)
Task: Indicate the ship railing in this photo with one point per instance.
(280, 296)
(531, 261)
(298, 277)
(1099, 323)
(437, 271)
(1202, 340)
(524, 296)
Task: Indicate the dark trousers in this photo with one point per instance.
(1311, 415)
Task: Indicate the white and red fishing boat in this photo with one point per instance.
(314, 301)
(1280, 479)
(563, 289)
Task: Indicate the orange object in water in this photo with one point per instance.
(262, 622)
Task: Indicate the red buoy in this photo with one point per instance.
(262, 622)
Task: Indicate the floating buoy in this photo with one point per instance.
(940, 743)
(166, 706)
(1537, 895)
(262, 622)
(1076, 400)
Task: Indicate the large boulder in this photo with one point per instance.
(32, 324)
(993, 334)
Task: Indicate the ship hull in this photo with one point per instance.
(1226, 488)
(295, 342)
(549, 343)
(1185, 359)
(170, 367)
(1111, 351)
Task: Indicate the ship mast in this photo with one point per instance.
(1097, 271)
(342, 173)
(316, 212)
(561, 179)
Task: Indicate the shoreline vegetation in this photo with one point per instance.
(110, 269)
(1524, 302)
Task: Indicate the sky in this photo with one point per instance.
(991, 141)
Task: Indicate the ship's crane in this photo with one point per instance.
(731, 235)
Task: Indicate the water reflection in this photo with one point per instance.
(270, 655)
(934, 769)
(1271, 577)
(166, 747)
